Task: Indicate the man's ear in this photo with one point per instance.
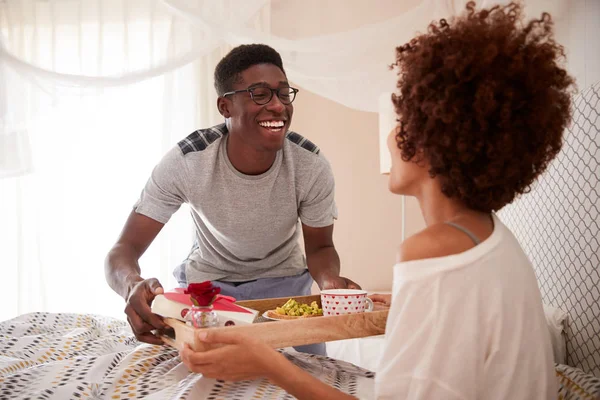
(224, 107)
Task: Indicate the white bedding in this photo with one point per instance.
(74, 356)
(363, 352)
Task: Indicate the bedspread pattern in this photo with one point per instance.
(75, 356)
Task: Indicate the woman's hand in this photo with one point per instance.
(240, 358)
(381, 299)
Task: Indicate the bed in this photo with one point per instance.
(74, 356)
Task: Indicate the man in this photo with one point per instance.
(248, 183)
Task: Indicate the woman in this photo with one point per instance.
(482, 104)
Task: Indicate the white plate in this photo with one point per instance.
(279, 319)
(272, 319)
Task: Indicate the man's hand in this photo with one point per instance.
(338, 282)
(139, 314)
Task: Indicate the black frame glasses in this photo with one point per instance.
(262, 100)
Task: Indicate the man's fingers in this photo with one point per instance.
(144, 311)
(155, 286)
(153, 319)
(350, 284)
(140, 326)
(139, 314)
(142, 331)
(353, 285)
(134, 321)
(149, 338)
(143, 322)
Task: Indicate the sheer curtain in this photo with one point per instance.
(89, 150)
(154, 37)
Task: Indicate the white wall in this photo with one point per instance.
(368, 231)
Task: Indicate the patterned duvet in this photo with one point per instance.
(73, 356)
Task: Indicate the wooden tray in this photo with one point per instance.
(285, 333)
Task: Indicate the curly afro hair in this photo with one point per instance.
(484, 101)
(228, 70)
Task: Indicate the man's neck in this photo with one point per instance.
(248, 160)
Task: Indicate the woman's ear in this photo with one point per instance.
(223, 107)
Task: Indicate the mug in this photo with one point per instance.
(345, 301)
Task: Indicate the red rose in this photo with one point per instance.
(202, 294)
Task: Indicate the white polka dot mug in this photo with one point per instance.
(345, 301)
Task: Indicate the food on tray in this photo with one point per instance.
(292, 310)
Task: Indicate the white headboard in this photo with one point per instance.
(558, 225)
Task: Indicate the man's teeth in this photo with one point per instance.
(272, 124)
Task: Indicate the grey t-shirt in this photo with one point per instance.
(247, 227)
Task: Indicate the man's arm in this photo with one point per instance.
(323, 260)
(123, 275)
(121, 267)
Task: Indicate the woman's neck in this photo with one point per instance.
(437, 208)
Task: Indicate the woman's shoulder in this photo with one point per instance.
(440, 240)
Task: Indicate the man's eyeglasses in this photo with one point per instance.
(262, 95)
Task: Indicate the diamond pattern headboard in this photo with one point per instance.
(558, 223)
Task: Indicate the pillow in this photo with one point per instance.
(555, 319)
(574, 384)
